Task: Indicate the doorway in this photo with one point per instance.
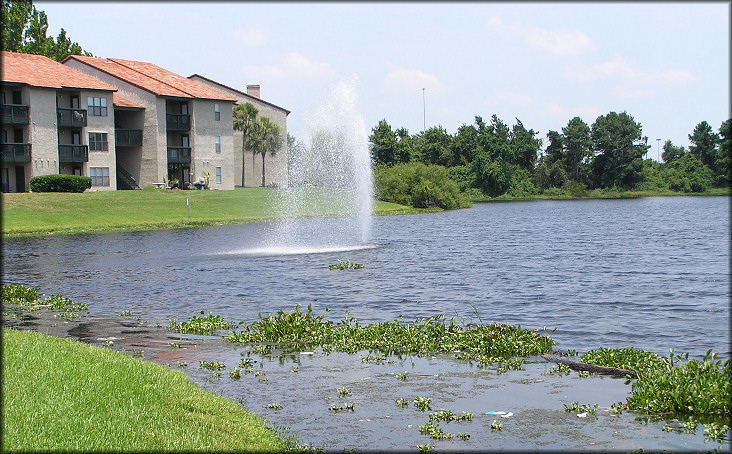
(19, 178)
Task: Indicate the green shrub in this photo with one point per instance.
(688, 174)
(60, 183)
(418, 185)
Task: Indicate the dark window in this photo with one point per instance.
(98, 141)
(17, 99)
(18, 135)
(97, 106)
(74, 102)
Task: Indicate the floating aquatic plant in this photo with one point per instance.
(485, 343)
(347, 265)
(674, 384)
(207, 325)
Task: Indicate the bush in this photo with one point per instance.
(60, 183)
(688, 174)
(418, 185)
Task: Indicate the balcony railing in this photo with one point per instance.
(14, 114)
(179, 155)
(75, 118)
(73, 153)
(128, 137)
(178, 122)
(15, 152)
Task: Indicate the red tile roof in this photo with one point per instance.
(119, 101)
(40, 71)
(152, 78)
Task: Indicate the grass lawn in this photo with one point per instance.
(64, 395)
(29, 214)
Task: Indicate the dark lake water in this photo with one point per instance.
(649, 273)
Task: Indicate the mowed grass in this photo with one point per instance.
(32, 214)
(63, 395)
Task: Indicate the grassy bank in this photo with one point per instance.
(33, 214)
(64, 395)
(595, 194)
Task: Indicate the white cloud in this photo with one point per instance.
(563, 113)
(622, 69)
(516, 99)
(292, 66)
(252, 37)
(563, 42)
(413, 79)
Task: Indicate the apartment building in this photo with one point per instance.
(55, 120)
(276, 164)
(185, 127)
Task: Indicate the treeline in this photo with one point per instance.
(493, 159)
(24, 29)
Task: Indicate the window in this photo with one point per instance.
(218, 144)
(98, 141)
(217, 112)
(99, 176)
(97, 106)
(218, 175)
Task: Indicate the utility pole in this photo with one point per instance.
(424, 113)
(659, 149)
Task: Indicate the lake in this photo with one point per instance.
(650, 273)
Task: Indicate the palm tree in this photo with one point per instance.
(245, 116)
(264, 137)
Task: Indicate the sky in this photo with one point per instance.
(415, 64)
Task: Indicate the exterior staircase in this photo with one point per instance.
(125, 180)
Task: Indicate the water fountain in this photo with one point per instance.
(330, 176)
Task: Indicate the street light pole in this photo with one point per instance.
(659, 149)
(424, 113)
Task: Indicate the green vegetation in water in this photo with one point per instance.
(484, 343)
(346, 265)
(125, 403)
(575, 407)
(28, 298)
(673, 385)
(207, 325)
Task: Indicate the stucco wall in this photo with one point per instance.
(153, 158)
(205, 130)
(103, 124)
(275, 166)
(42, 133)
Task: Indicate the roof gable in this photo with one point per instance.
(238, 92)
(152, 78)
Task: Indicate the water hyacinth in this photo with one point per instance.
(207, 325)
(485, 343)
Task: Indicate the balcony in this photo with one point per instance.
(73, 153)
(179, 155)
(15, 152)
(75, 118)
(128, 137)
(14, 114)
(178, 122)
